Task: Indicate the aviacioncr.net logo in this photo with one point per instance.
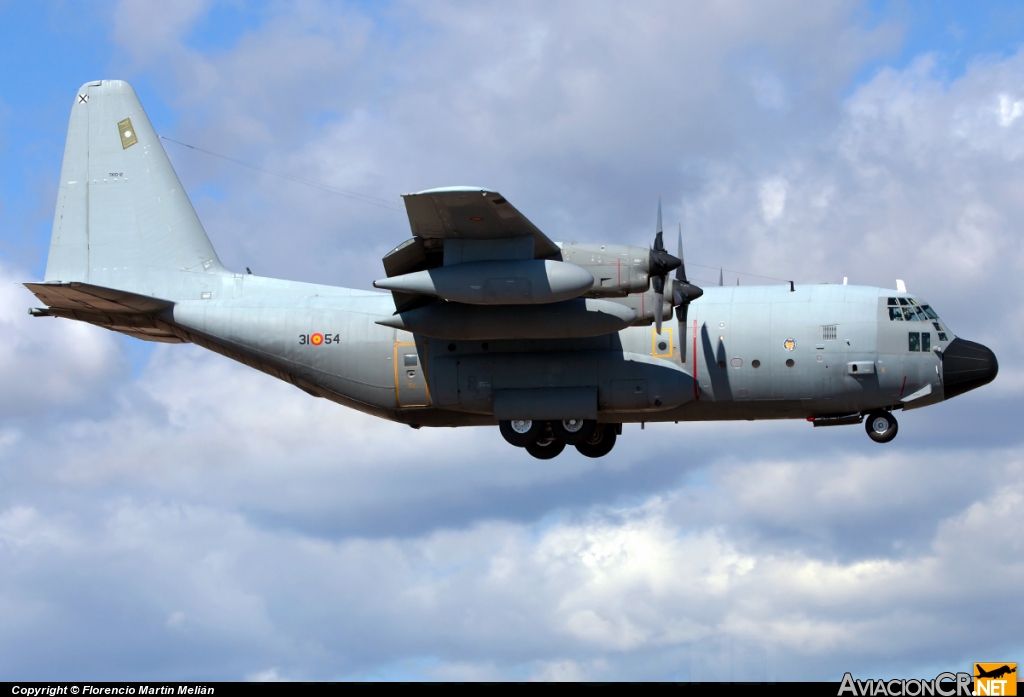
(942, 685)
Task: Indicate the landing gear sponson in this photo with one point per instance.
(547, 439)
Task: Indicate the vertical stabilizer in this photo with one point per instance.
(122, 219)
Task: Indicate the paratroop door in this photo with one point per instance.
(410, 381)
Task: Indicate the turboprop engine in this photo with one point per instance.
(618, 270)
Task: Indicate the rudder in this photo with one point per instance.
(122, 218)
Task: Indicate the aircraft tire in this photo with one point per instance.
(881, 426)
(522, 432)
(573, 431)
(600, 442)
(546, 448)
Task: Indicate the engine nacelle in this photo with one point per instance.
(618, 270)
(508, 282)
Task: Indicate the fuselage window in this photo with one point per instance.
(930, 312)
(903, 301)
(909, 314)
(915, 341)
(926, 341)
(895, 314)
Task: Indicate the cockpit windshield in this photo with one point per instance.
(909, 310)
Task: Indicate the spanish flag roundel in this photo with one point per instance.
(317, 339)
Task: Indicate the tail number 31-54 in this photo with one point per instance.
(316, 339)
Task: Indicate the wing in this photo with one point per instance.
(460, 224)
(468, 213)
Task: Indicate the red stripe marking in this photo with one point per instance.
(904, 386)
(696, 390)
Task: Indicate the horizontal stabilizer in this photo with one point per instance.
(117, 310)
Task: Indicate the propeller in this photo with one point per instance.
(661, 264)
(683, 293)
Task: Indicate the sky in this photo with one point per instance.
(168, 514)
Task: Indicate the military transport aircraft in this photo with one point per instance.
(487, 320)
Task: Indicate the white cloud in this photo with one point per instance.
(45, 362)
(772, 193)
(1009, 110)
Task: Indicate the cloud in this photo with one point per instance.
(47, 363)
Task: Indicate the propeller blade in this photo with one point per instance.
(681, 312)
(683, 293)
(681, 271)
(721, 278)
(659, 266)
(658, 284)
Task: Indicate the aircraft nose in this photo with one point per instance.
(966, 365)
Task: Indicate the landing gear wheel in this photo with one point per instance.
(881, 426)
(546, 448)
(521, 432)
(573, 431)
(600, 442)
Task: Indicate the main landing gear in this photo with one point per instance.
(881, 426)
(547, 439)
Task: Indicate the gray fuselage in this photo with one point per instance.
(757, 352)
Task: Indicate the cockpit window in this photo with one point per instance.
(909, 310)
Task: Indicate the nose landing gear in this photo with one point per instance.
(881, 426)
(545, 440)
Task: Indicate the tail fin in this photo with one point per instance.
(122, 219)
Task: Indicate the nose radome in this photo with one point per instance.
(966, 365)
